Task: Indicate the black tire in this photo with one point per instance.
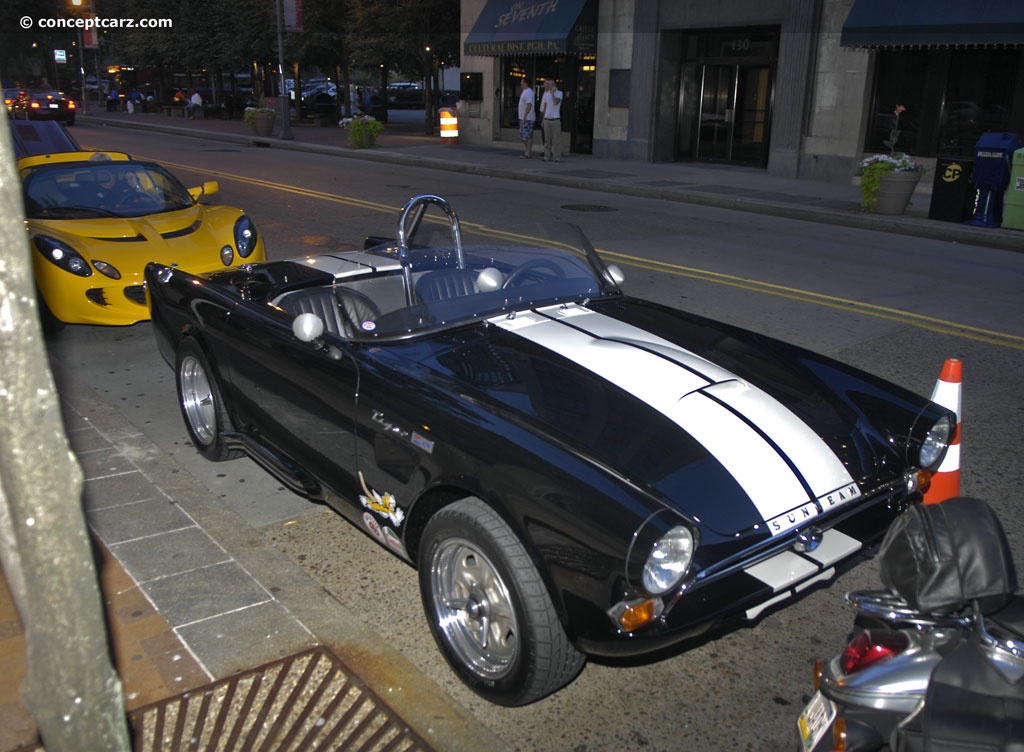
(489, 609)
(50, 324)
(201, 404)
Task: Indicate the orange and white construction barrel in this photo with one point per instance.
(449, 126)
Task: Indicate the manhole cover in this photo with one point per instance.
(589, 208)
(305, 702)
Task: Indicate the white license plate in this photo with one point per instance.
(54, 106)
(815, 721)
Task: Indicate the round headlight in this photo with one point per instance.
(245, 236)
(227, 255)
(669, 560)
(935, 442)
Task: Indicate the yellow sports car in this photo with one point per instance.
(95, 219)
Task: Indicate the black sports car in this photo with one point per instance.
(44, 104)
(573, 471)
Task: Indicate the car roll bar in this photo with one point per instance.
(415, 208)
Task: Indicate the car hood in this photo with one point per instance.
(738, 432)
(188, 237)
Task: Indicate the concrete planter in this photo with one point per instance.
(895, 191)
(263, 124)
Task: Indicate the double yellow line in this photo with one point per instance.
(930, 323)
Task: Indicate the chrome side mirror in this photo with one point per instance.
(615, 274)
(307, 327)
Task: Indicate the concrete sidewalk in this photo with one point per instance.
(195, 599)
(723, 186)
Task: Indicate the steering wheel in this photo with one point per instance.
(138, 201)
(531, 267)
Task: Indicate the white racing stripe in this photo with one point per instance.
(789, 573)
(707, 401)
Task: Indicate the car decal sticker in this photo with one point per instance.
(421, 441)
(787, 470)
(394, 541)
(373, 526)
(386, 505)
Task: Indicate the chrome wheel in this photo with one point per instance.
(489, 609)
(473, 609)
(206, 416)
(197, 400)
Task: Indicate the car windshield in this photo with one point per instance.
(89, 189)
(429, 280)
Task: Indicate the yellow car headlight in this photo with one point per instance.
(62, 255)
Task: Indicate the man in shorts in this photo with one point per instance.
(526, 119)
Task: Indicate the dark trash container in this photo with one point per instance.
(953, 194)
(992, 156)
(325, 110)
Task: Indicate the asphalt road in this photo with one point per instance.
(895, 306)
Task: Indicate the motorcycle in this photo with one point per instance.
(936, 659)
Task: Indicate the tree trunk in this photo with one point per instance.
(70, 687)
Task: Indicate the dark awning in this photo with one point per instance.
(935, 23)
(534, 27)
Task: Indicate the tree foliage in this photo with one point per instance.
(216, 35)
(225, 36)
(395, 35)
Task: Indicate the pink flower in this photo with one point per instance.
(900, 109)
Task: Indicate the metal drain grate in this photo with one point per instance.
(589, 208)
(304, 703)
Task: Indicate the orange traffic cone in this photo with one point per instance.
(946, 482)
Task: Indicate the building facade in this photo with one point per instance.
(800, 88)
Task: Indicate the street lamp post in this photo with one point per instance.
(286, 125)
(81, 57)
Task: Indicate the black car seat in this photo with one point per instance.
(342, 310)
(356, 309)
(443, 284)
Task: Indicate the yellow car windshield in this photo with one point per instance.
(81, 190)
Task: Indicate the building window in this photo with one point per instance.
(951, 96)
(534, 69)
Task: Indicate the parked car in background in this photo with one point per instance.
(95, 219)
(406, 96)
(11, 96)
(44, 104)
(573, 471)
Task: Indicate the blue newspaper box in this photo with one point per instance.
(992, 158)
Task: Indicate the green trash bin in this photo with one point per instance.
(1013, 199)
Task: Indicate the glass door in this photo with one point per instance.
(717, 107)
(578, 117)
(750, 121)
(734, 113)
